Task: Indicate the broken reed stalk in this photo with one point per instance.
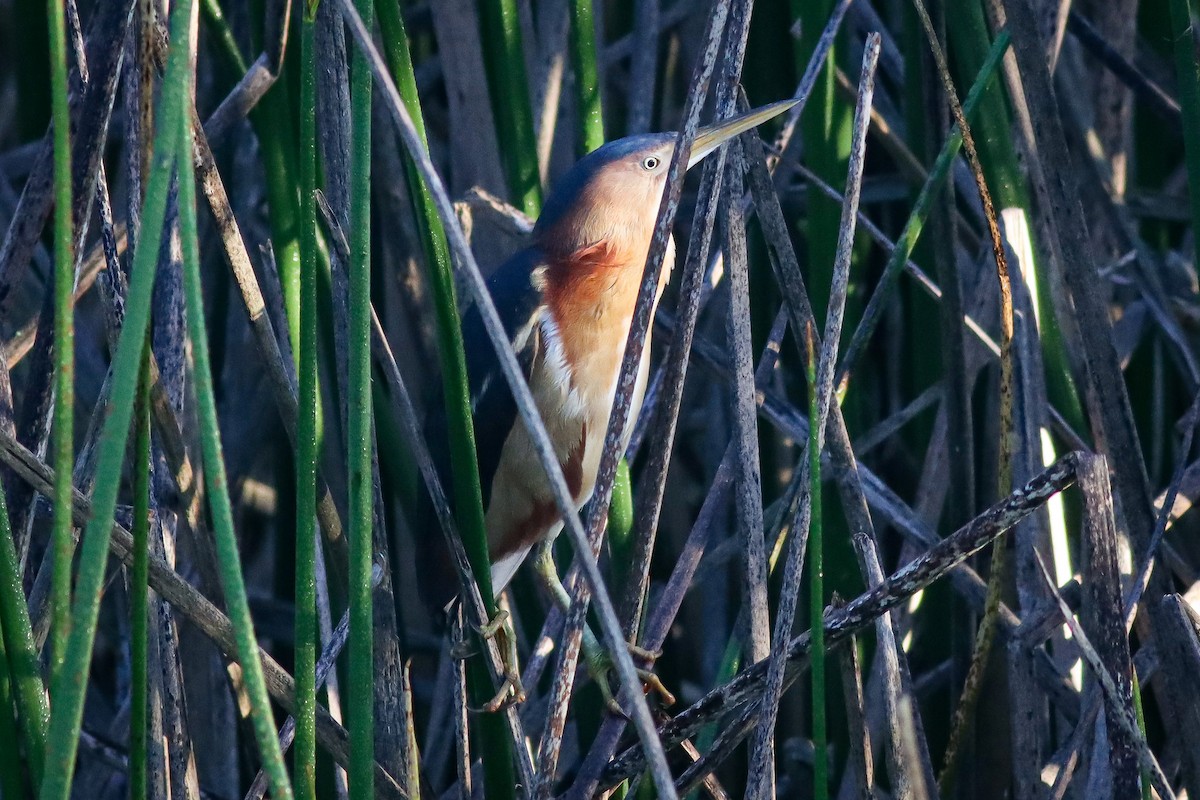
(746, 689)
(1119, 711)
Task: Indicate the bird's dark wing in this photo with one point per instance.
(494, 412)
(493, 409)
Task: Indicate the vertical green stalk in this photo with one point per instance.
(969, 45)
(64, 339)
(504, 57)
(499, 777)
(139, 596)
(620, 523)
(826, 130)
(304, 754)
(358, 445)
(10, 744)
(282, 208)
(22, 652)
(1188, 77)
(468, 495)
(70, 683)
(587, 76)
(228, 560)
(816, 577)
(1140, 712)
(271, 121)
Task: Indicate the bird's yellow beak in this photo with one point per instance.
(711, 137)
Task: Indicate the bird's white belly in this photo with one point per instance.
(575, 403)
(522, 510)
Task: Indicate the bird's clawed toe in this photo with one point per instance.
(600, 666)
(511, 691)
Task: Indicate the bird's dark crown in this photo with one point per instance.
(564, 197)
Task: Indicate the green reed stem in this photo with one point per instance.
(64, 340)
(229, 562)
(223, 33)
(587, 76)
(10, 743)
(23, 668)
(504, 57)
(272, 122)
(816, 578)
(139, 595)
(304, 753)
(495, 744)
(358, 445)
(1146, 793)
(970, 40)
(468, 495)
(826, 130)
(70, 683)
(620, 519)
(920, 212)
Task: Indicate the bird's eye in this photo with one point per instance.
(650, 162)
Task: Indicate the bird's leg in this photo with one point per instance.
(499, 628)
(599, 662)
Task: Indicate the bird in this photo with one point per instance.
(566, 301)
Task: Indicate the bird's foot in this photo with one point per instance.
(600, 665)
(511, 691)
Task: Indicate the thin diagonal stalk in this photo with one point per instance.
(220, 508)
(11, 783)
(455, 385)
(23, 664)
(634, 345)
(64, 337)
(70, 683)
(725, 701)
(816, 577)
(324, 671)
(823, 383)
(916, 220)
(610, 626)
(499, 778)
(279, 161)
(1119, 711)
(358, 425)
(587, 77)
(304, 775)
(139, 594)
(987, 625)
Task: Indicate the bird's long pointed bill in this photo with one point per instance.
(711, 137)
